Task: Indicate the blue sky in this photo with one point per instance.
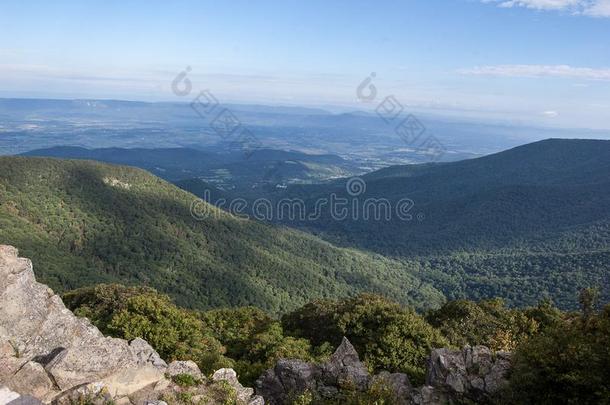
(545, 62)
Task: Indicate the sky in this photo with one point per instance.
(542, 62)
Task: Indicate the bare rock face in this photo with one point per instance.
(48, 355)
(473, 373)
(290, 378)
(244, 394)
(184, 367)
(470, 375)
(45, 350)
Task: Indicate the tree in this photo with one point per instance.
(386, 335)
(567, 364)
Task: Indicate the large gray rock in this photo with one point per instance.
(473, 373)
(46, 350)
(290, 378)
(244, 394)
(398, 384)
(287, 379)
(344, 369)
(146, 355)
(184, 367)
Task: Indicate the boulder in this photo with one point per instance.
(246, 395)
(184, 367)
(344, 368)
(473, 373)
(290, 378)
(146, 355)
(46, 351)
(397, 383)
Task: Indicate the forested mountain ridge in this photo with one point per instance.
(523, 223)
(90, 222)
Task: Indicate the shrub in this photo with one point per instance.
(386, 335)
(568, 363)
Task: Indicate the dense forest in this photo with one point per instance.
(85, 222)
(517, 225)
(559, 357)
(520, 224)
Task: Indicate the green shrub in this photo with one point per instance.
(186, 380)
(569, 363)
(487, 322)
(386, 335)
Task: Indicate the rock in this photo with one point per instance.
(146, 355)
(287, 378)
(7, 396)
(225, 374)
(132, 380)
(428, 395)
(96, 361)
(344, 369)
(398, 383)
(184, 367)
(291, 378)
(92, 393)
(472, 373)
(32, 379)
(257, 400)
(243, 394)
(45, 350)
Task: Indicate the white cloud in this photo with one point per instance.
(564, 71)
(601, 8)
(550, 114)
(593, 8)
(540, 4)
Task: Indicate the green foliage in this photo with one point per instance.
(559, 357)
(101, 302)
(186, 380)
(520, 224)
(487, 323)
(84, 223)
(254, 340)
(568, 363)
(245, 338)
(386, 335)
(175, 333)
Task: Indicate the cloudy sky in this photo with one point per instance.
(545, 62)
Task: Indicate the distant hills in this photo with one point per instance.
(526, 223)
(227, 169)
(89, 222)
(536, 192)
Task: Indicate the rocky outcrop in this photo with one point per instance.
(454, 376)
(246, 395)
(473, 373)
(47, 353)
(290, 378)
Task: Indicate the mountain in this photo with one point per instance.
(538, 191)
(520, 224)
(87, 222)
(230, 169)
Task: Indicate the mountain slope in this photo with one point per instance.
(521, 224)
(89, 222)
(533, 192)
(230, 169)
